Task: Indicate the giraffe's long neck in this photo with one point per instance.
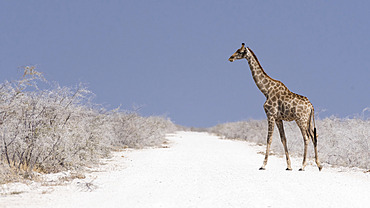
(262, 80)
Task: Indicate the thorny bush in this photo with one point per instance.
(341, 142)
(59, 129)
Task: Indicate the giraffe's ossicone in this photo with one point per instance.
(281, 105)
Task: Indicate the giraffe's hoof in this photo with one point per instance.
(262, 168)
(289, 169)
(320, 167)
(301, 169)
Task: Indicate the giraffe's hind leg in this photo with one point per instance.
(271, 124)
(303, 129)
(304, 163)
(314, 141)
(311, 133)
(279, 124)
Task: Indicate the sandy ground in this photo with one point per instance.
(200, 170)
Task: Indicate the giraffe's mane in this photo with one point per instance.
(263, 71)
(255, 57)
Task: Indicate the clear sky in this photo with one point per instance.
(170, 57)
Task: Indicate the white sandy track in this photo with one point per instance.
(200, 170)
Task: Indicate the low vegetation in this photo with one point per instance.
(51, 130)
(341, 142)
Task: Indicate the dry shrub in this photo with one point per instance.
(341, 142)
(58, 129)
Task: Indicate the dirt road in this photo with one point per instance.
(200, 170)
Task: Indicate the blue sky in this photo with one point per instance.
(170, 57)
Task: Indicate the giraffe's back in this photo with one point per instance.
(288, 106)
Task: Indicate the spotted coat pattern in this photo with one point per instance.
(281, 105)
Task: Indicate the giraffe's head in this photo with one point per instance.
(239, 54)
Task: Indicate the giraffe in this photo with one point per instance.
(281, 105)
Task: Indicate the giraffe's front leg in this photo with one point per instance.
(279, 124)
(271, 124)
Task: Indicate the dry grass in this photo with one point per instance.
(341, 142)
(56, 129)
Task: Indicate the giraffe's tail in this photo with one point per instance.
(312, 129)
(314, 136)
